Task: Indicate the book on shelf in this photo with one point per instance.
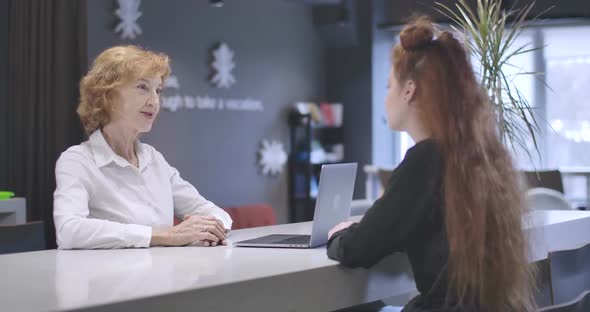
(327, 114)
(323, 115)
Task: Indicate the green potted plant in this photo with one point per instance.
(489, 32)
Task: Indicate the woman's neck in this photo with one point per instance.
(121, 140)
(418, 132)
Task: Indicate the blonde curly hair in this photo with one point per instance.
(111, 69)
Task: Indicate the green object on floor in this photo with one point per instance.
(6, 195)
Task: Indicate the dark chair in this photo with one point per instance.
(579, 304)
(550, 179)
(570, 273)
(248, 216)
(544, 293)
(22, 237)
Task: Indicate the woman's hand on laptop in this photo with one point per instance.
(340, 227)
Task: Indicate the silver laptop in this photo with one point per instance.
(332, 207)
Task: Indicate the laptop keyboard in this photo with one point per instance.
(303, 239)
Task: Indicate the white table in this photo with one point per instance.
(226, 278)
(13, 211)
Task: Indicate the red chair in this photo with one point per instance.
(250, 216)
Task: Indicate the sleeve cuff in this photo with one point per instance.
(334, 246)
(224, 218)
(334, 243)
(336, 235)
(139, 236)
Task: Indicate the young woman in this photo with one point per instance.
(454, 204)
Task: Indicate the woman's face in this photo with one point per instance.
(138, 103)
(397, 102)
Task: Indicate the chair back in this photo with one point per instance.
(579, 304)
(250, 216)
(550, 179)
(570, 273)
(543, 291)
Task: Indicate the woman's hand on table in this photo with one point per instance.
(207, 230)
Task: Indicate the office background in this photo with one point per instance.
(285, 51)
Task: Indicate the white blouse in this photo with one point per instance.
(102, 201)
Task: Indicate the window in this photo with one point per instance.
(563, 111)
(567, 59)
(516, 73)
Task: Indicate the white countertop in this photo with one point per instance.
(59, 280)
(554, 230)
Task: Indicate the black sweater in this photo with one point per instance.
(409, 217)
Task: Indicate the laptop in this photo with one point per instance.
(332, 207)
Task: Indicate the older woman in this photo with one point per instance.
(114, 191)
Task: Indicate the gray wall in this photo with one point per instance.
(279, 61)
(383, 137)
(349, 80)
(3, 91)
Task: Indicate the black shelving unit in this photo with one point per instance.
(304, 173)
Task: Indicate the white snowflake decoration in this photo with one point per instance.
(223, 64)
(272, 157)
(128, 13)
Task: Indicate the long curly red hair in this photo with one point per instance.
(483, 198)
